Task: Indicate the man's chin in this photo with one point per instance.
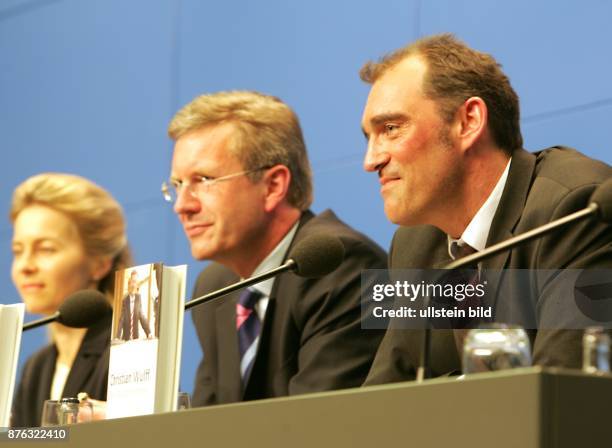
(394, 215)
(201, 253)
(402, 218)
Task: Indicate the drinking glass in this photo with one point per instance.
(595, 350)
(496, 347)
(56, 413)
(183, 401)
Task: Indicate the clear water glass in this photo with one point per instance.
(496, 347)
(65, 412)
(183, 401)
(595, 350)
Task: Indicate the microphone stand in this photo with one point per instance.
(289, 265)
(591, 209)
(42, 321)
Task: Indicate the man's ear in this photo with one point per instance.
(276, 181)
(471, 122)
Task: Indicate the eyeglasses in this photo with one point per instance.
(198, 185)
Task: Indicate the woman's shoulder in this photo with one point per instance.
(39, 359)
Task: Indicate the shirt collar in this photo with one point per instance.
(274, 260)
(477, 231)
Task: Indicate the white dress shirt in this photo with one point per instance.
(477, 231)
(273, 260)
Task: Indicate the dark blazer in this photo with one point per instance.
(125, 321)
(311, 339)
(541, 187)
(89, 373)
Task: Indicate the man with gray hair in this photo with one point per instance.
(442, 128)
(241, 187)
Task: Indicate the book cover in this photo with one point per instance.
(11, 326)
(146, 340)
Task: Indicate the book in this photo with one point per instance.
(11, 327)
(146, 340)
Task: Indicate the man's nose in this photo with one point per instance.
(375, 158)
(186, 202)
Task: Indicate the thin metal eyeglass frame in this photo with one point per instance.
(167, 187)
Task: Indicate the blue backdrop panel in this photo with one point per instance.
(586, 130)
(86, 89)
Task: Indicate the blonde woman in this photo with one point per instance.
(69, 234)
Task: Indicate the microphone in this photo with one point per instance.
(314, 256)
(80, 310)
(600, 207)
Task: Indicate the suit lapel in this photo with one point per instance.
(439, 253)
(306, 216)
(230, 383)
(93, 346)
(258, 372)
(511, 204)
(261, 360)
(46, 376)
(509, 212)
(419, 247)
(78, 375)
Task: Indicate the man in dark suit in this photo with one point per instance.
(241, 186)
(132, 316)
(442, 125)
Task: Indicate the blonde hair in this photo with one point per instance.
(97, 215)
(268, 134)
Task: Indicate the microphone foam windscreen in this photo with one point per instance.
(602, 196)
(317, 255)
(84, 308)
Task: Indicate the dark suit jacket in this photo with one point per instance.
(541, 187)
(89, 374)
(125, 321)
(311, 338)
